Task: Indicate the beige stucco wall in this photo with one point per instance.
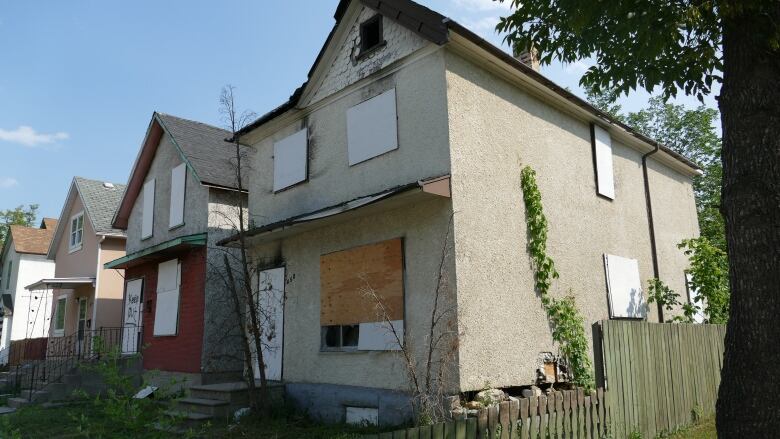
(423, 226)
(80, 263)
(422, 136)
(495, 130)
(111, 284)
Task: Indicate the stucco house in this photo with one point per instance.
(410, 125)
(179, 202)
(23, 261)
(86, 298)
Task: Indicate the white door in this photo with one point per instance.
(271, 305)
(131, 322)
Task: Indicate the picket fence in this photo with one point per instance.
(658, 377)
(561, 414)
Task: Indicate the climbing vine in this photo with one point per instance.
(568, 326)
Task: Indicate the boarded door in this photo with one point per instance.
(271, 304)
(131, 324)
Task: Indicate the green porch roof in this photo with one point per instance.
(159, 251)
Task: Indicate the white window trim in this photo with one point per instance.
(60, 332)
(76, 247)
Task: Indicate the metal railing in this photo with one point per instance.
(64, 354)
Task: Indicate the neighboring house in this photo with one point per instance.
(22, 261)
(178, 203)
(409, 122)
(87, 299)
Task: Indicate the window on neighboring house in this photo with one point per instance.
(290, 160)
(348, 317)
(76, 231)
(624, 287)
(147, 219)
(372, 128)
(602, 160)
(371, 34)
(59, 316)
(8, 275)
(178, 185)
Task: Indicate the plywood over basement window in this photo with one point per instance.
(345, 275)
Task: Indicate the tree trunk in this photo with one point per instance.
(748, 404)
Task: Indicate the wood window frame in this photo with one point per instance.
(381, 42)
(78, 220)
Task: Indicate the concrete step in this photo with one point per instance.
(4, 410)
(187, 419)
(235, 393)
(36, 396)
(72, 379)
(214, 407)
(18, 402)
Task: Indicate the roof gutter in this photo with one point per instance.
(651, 224)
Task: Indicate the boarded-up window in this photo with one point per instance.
(147, 219)
(345, 277)
(372, 128)
(166, 315)
(178, 184)
(602, 150)
(290, 161)
(625, 288)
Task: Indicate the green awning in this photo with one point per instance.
(159, 252)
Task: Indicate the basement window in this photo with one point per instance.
(340, 337)
(371, 37)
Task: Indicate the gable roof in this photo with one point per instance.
(204, 148)
(436, 28)
(30, 240)
(100, 200)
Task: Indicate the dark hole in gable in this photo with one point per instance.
(371, 34)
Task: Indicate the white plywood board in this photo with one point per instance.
(147, 219)
(362, 416)
(178, 185)
(693, 294)
(131, 324)
(271, 303)
(378, 336)
(372, 128)
(290, 160)
(166, 314)
(604, 167)
(625, 288)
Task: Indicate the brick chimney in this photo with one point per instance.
(527, 57)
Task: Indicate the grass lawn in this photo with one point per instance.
(703, 430)
(87, 420)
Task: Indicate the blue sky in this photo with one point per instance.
(79, 80)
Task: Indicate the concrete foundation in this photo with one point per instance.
(328, 402)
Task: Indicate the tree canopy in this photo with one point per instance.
(19, 216)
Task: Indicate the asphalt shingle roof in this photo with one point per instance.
(206, 148)
(31, 240)
(101, 201)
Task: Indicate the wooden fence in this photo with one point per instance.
(28, 349)
(657, 374)
(569, 413)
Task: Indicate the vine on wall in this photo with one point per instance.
(568, 325)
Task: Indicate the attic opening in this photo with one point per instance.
(371, 37)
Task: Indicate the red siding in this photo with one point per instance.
(180, 353)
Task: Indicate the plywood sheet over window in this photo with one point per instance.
(372, 128)
(625, 288)
(345, 275)
(602, 148)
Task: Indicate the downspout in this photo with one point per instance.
(651, 225)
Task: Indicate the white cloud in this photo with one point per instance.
(27, 136)
(8, 182)
(482, 5)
